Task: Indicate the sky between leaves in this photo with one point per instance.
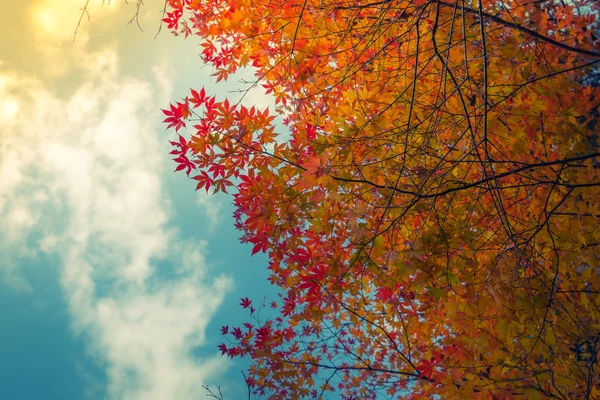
(114, 275)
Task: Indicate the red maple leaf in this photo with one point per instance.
(246, 302)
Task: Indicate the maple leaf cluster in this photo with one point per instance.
(433, 217)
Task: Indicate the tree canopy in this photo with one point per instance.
(430, 202)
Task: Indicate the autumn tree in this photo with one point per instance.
(429, 204)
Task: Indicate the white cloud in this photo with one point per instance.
(211, 207)
(53, 25)
(151, 335)
(96, 158)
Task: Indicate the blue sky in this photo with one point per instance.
(115, 276)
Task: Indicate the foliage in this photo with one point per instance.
(431, 212)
